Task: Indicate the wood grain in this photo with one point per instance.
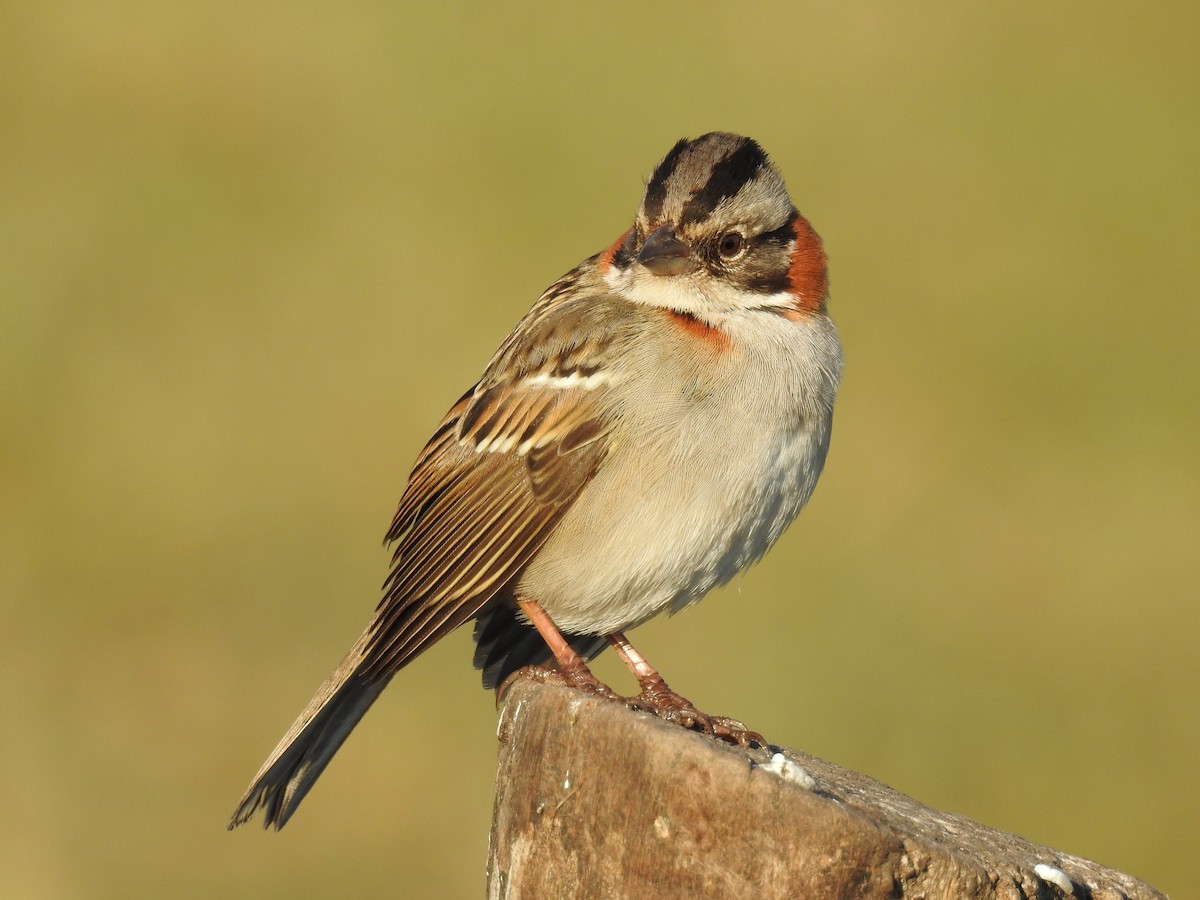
(595, 800)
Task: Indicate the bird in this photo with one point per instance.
(648, 430)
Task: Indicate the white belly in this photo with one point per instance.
(699, 500)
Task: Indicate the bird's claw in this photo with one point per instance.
(581, 679)
(671, 707)
(655, 698)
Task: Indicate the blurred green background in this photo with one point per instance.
(251, 252)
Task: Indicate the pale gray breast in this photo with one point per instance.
(706, 470)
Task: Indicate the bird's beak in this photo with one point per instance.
(665, 253)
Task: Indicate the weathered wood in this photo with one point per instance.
(594, 800)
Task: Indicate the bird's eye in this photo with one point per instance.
(732, 244)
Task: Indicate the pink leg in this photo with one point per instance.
(658, 698)
(571, 666)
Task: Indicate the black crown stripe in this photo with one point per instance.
(656, 188)
(728, 177)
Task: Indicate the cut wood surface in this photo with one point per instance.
(595, 800)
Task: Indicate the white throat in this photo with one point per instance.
(697, 294)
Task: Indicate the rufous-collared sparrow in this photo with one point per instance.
(649, 429)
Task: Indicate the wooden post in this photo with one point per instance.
(595, 800)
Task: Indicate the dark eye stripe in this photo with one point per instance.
(728, 177)
(774, 279)
(782, 235)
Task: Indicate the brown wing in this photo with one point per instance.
(487, 490)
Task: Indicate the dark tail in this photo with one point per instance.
(311, 742)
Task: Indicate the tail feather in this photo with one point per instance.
(299, 759)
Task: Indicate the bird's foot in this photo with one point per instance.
(580, 678)
(669, 706)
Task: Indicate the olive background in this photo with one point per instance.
(250, 253)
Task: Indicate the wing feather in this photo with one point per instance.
(500, 471)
